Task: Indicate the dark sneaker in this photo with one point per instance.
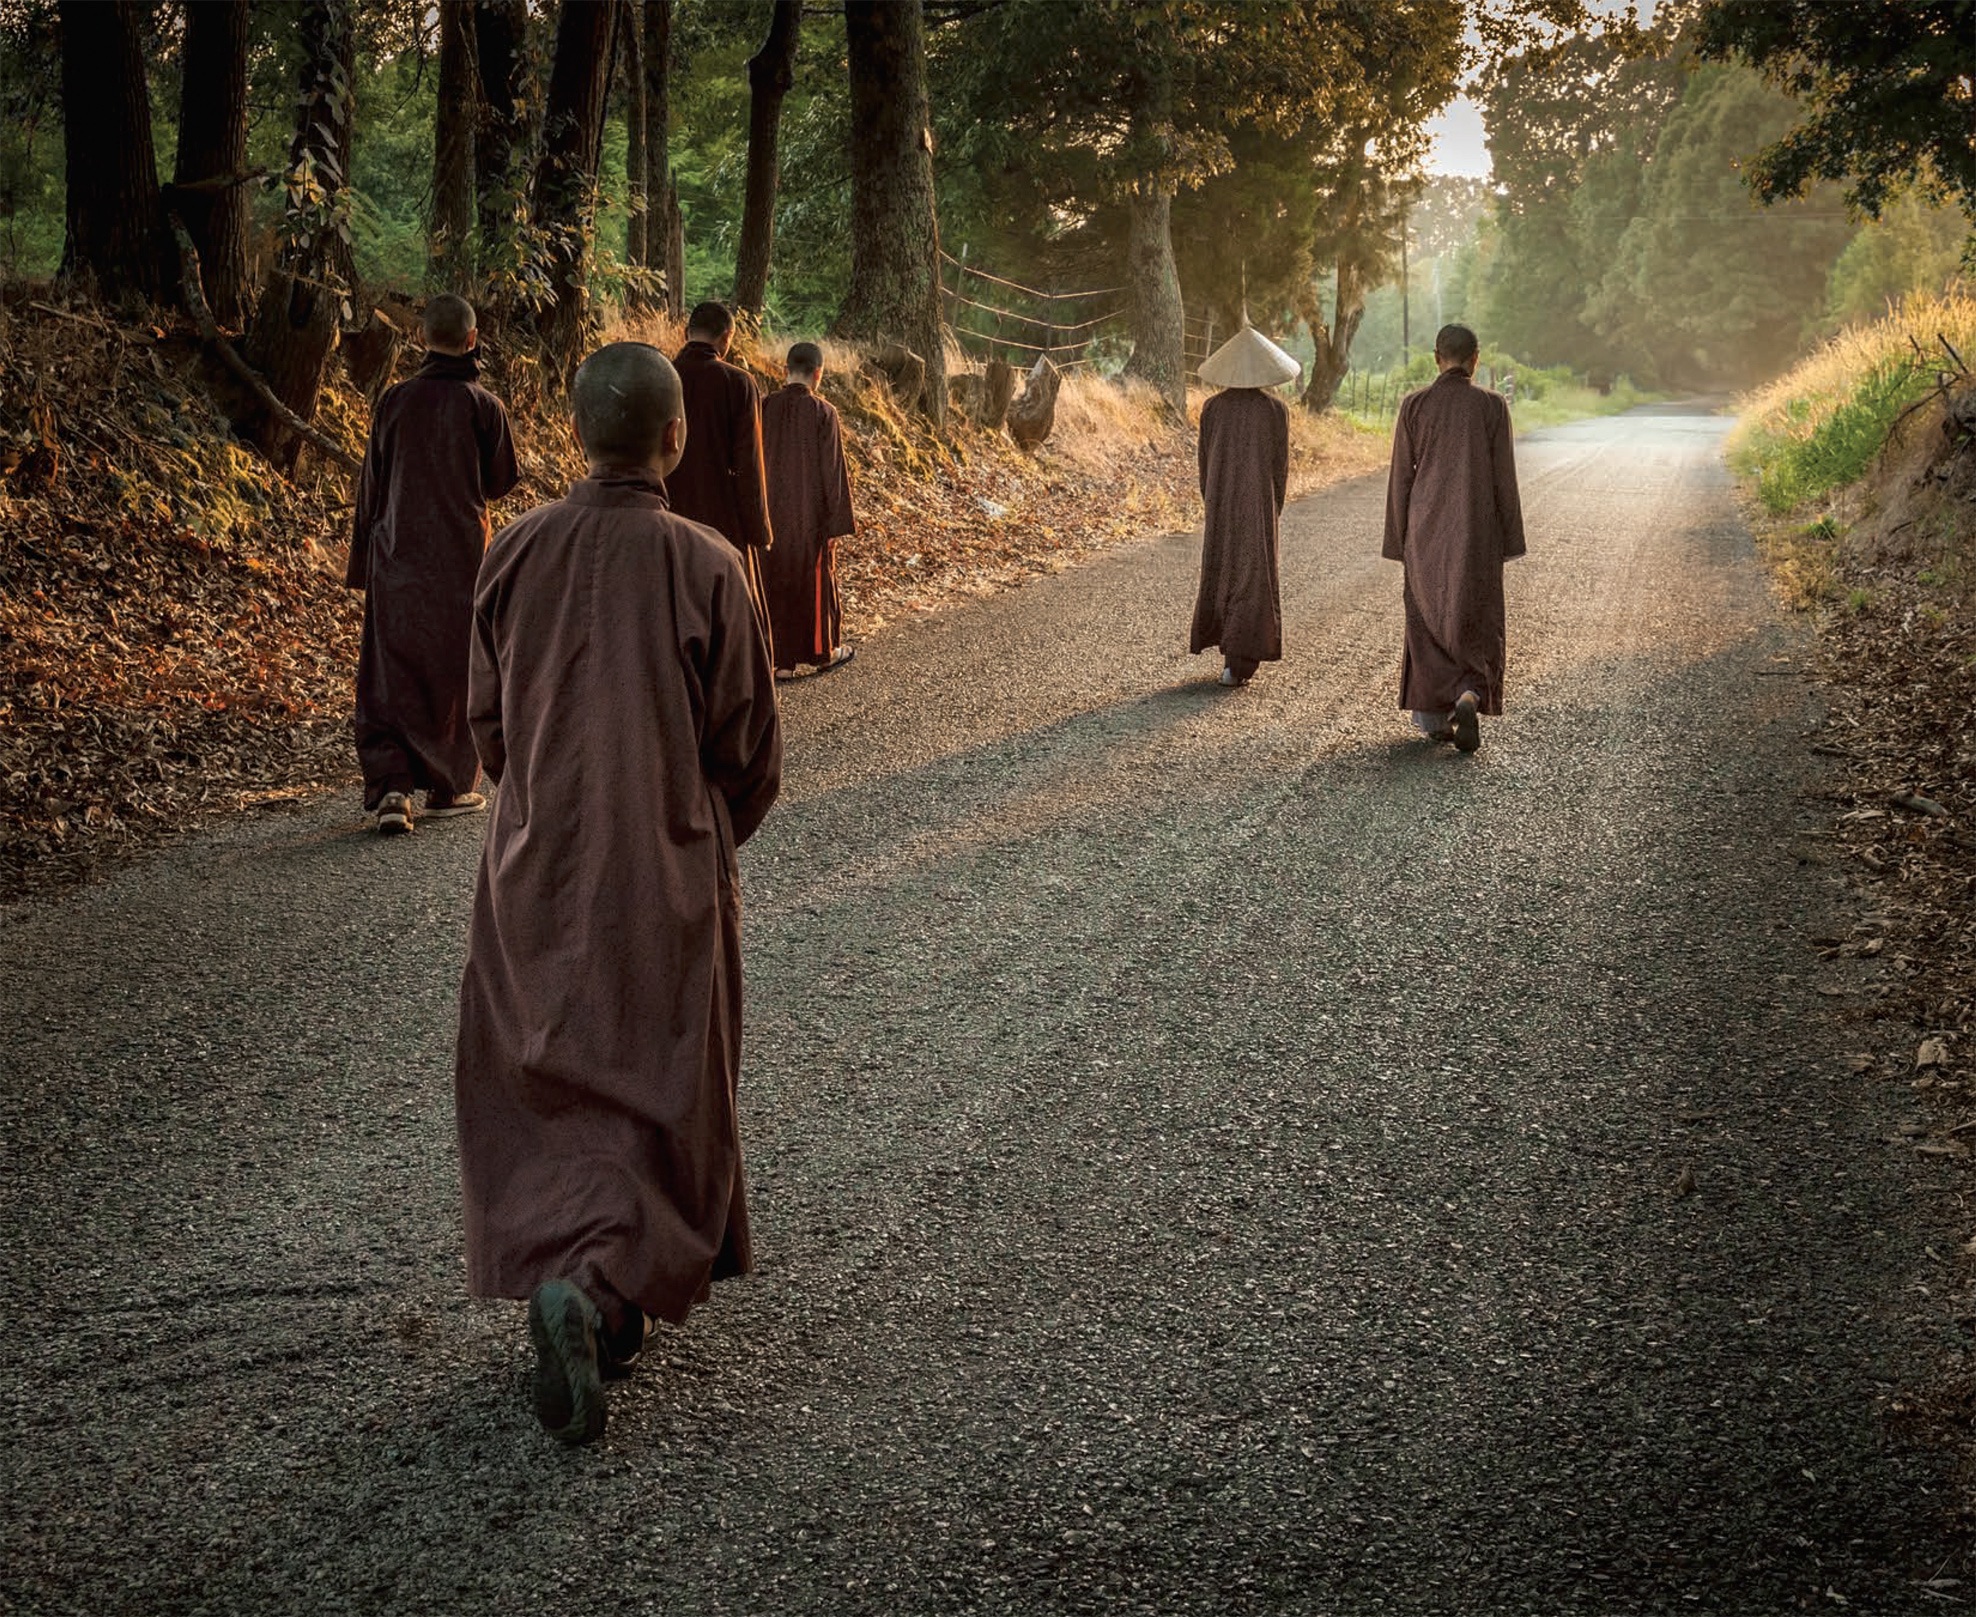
(444, 806)
(569, 1393)
(394, 814)
(1468, 733)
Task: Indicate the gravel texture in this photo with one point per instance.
(1212, 1152)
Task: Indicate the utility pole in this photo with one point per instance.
(1406, 312)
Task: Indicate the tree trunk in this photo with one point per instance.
(453, 128)
(566, 174)
(1333, 343)
(1158, 319)
(317, 222)
(289, 346)
(675, 254)
(310, 291)
(209, 175)
(500, 132)
(631, 50)
(116, 224)
(662, 222)
(895, 234)
(771, 73)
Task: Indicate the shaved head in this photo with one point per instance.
(805, 359)
(623, 396)
(1456, 344)
(711, 321)
(448, 321)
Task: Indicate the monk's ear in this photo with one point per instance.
(673, 439)
(577, 433)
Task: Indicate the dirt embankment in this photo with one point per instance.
(1889, 567)
(175, 639)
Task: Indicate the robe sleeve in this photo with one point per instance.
(838, 522)
(484, 692)
(1201, 445)
(750, 480)
(371, 484)
(1279, 465)
(1502, 467)
(1399, 487)
(499, 470)
(741, 746)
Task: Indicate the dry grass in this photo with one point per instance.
(1828, 414)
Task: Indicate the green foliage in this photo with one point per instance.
(1882, 92)
(1714, 288)
(1792, 467)
(1911, 247)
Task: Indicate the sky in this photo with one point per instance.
(1459, 146)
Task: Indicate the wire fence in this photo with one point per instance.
(993, 318)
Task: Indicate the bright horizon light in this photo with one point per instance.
(1460, 145)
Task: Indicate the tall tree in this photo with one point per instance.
(665, 247)
(309, 293)
(1363, 210)
(631, 68)
(771, 75)
(454, 124)
(894, 295)
(500, 136)
(116, 236)
(1152, 279)
(318, 241)
(1884, 89)
(566, 172)
(209, 178)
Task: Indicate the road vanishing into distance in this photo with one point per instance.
(1211, 1151)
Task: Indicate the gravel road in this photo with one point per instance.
(1213, 1153)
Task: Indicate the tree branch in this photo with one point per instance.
(195, 301)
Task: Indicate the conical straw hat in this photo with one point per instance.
(1249, 359)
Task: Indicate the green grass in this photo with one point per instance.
(1800, 455)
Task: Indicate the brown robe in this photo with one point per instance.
(718, 480)
(439, 452)
(809, 508)
(1245, 472)
(1453, 516)
(623, 701)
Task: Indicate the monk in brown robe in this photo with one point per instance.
(1245, 473)
(1453, 517)
(439, 453)
(809, 508)
(718, 481)
(622, 699)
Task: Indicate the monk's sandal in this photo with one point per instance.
(569, 1391)
(394, 814)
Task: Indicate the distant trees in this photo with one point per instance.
(1258, 152)
(1627, 241)
(1120, 121)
